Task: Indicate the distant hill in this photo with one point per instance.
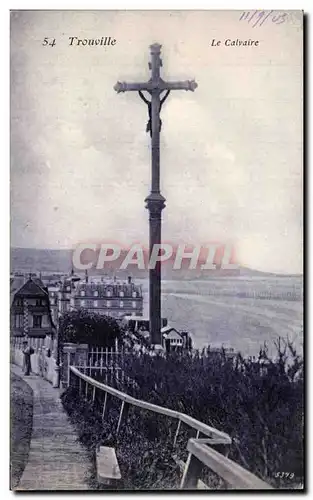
(35, 259)
(46, 260)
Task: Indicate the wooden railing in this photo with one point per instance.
(201, 452)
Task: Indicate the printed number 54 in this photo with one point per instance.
(49, 41)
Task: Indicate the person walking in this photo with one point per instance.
(27, 351)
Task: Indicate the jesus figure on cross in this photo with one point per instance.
(149, 127)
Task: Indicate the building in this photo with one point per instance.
(113, 298)
(213, 352)
(171, 338)
(30, 312)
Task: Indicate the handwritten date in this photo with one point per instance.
(259, 17)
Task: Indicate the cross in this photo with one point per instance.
(155, 202)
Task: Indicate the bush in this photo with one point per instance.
(259, 405)
(84, 327)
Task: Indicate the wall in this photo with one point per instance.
(41, 363)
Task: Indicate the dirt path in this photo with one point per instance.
(57, 460)
(21, 413)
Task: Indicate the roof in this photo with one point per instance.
(167, 329)
(135, 318)
(114, 287)
(171, 333)
(33, 287)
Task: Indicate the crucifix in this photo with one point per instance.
(155, 202)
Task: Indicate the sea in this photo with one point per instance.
(239, 312)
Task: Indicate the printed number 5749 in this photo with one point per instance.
(285, 475)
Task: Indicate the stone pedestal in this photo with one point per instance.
(72, 355)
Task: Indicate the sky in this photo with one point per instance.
(231, 152)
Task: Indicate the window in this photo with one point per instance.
(121, 303)
(68, 288)
(72, 302)
(39, 302)
(109, 293)
(19, 302)
(37, 321)
(19, 321)
(121, 294)
(52, 294)
(82, 303)
(82, 293)
(134, 295)
(95, 293)
(108, 303)
(134, 304)
(52, 302)
(95, 303)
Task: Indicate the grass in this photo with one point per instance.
(21, 427)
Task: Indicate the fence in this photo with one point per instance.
(201, 451)
(109, 374)
(100, 357)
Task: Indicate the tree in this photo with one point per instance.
(86, 327)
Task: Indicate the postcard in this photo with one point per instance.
(156, 281)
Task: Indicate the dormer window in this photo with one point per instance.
(121, 294)
(134, 295)
(96, 293)
(82, 293)
(109, 293)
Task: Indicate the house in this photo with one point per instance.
(30, 308)
(111, 297)
(214, 352)
(60, 293)
(171, 338)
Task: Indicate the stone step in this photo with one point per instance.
(108, 471)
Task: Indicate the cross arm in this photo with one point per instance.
(156, 86)
(186, 85)
(135, 87)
